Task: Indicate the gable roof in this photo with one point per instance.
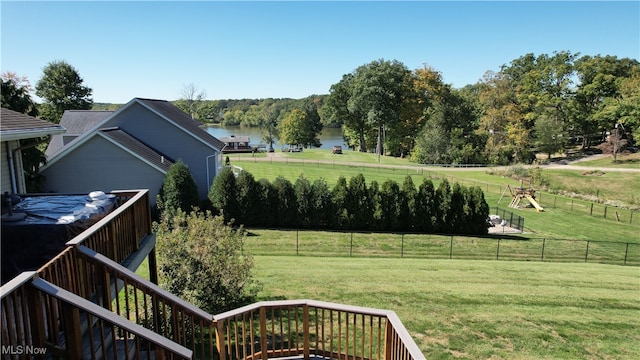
(126, 142)
(77, 122)
(173, 114)
(137, 148)
(80, 121)
(162, 108)
(233, 138)
(15, 125)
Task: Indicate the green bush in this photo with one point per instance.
(224, 194)
(200, 259)
(179, 190)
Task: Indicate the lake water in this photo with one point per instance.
(329, 137)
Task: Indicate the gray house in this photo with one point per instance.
(132, 147)
(14, 127)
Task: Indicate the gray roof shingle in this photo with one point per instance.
(13, 123)
(172, 112)
(135, 146)
(77, 122)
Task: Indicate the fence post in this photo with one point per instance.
(626, 251)
(586, 254)
(555, 197)
(630, 216)
(402, 247)
(571, 204)
(498, 251)
(591, 212)
(297, 243)
(605, 211)
(544, 241)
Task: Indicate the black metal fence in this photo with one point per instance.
(428, 246)
(512, 220)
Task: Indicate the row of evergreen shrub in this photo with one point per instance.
(350, 205)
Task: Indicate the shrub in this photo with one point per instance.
(179, 190)
(224, 194)
(200, 259)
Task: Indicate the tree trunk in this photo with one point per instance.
(379, 147)
(363, 144)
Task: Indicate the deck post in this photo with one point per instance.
(305, 331)
(263, 333)
(220, 340)
(71, 320)
(36, 316)
(388, 340)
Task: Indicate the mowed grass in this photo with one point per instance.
(622, 161)
(478, 309)
(563, 218)
(429, 246)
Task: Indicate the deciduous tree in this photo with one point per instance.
(61, 88)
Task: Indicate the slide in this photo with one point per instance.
(534, 203)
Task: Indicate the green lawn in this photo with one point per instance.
(622, 161)
(479, 309)
(564, 217)
(461, 308)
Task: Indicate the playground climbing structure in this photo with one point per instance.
(518, 193)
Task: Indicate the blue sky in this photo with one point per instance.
(294, 49)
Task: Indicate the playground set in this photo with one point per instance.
(518, 193)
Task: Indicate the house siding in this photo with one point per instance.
(101, 165)
(5, 181)
(166, 138)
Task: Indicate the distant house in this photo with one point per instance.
(236, 144)
(15, 126)
(132, 147)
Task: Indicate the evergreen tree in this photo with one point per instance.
(390, 205)
(357, 203)
(267, 204)
(407, 204)
(425, 207)
(248, 199)
(339, 198)
(304, 199)
(224, 194)
(443, 201)
(374, 205)
(179, 190)
(322, 206)
(287, 209)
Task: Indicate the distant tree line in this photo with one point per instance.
(350, 205)
(544, 103)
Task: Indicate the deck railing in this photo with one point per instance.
(41, 320)
(118, 234)
(308, 328)
(85, 304)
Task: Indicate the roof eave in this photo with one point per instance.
(9, 135)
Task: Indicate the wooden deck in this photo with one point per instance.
(87, 303)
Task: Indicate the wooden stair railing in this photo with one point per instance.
(134, 298)
(42, 320)
(306, 328)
